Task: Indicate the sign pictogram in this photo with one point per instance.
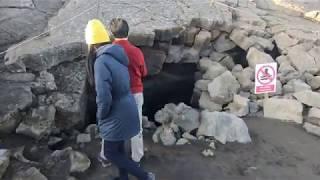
(266, 78)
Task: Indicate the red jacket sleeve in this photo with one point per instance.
(143, 67)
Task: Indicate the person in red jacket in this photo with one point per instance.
(137, 70)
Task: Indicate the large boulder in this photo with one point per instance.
(154, 60)
(296, 53)
(295, 85)
(312, 129)
(39, 124)
(202, 40)
(223, 43)
(283, 41)
(187, 118)
(30, 174)
(256, 56)
(308, 98)
(283, 109)
(4, 161)
(224, 127)
(45, 83)
(265, 4)
(314, 116)
(22, 19)
(239, 106)
(245, 78)
(174, 54)
(223, 88)
(190, 35)
(214, 70)
(79, 162)
(14, 98)
(206, 103)
(313, 81)
(46, 59)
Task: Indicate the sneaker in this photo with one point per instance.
(104, 162)
(151, 176)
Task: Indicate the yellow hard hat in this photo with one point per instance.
(96, 32)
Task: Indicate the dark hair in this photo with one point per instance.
(119, 28)
(91, 58)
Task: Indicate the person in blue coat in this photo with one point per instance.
(117, 113)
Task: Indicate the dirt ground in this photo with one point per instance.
(279, 152)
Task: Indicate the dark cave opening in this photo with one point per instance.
(174, 84)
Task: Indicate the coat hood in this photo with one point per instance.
(116, 51)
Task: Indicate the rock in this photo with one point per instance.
(156, 135)
(223, 43)
(190, 35)
(253, 107)
(205, 64)
(146, 124)
(279, 89)
(313, 15)
(46, 59)
(312, 129)
(244, 41)
(212, 145)
(44, 83)
(39, 124)
(174, 54)
(154, 60)
(57, 165)
(240, 38)
(187, 118)
(283, 109)
(208, 153)
(224, 127)
(4, 161)
(286, 68)
(215, 34)
(283, 41)
(222, 88)
(256, 56)
(167, 34)
(239, 106)
(265, 4)
(295, 54)
(314, 116)
(290, 76)
(203, 23)
(14, 98)
(313, 81)
(71, 178)
(216, 56)
(30, 174)
(167, 136)
(182, 141)
(83, 138)
(188, 136)
(92, 129)
(308, 97)
(17, 153)
(228, 62)
(244, 77)
(190, 55)
(295, 85)
(17, 77)
(202, 40)
(141, 38)
(69, 110)
(202, 84)
(206, 102)
(79, 162)
(215, 70)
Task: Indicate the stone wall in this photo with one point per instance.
(226, 50)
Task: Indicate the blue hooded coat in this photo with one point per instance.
(117, 112)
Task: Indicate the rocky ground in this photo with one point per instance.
(288, 153)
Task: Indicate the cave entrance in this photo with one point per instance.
(174, 84)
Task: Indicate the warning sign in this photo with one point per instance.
(266, 78)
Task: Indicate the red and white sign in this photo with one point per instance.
(266, 78)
